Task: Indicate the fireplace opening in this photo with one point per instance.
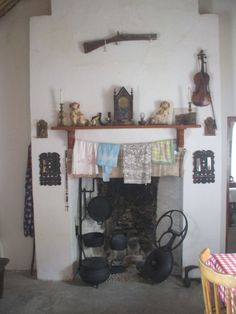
(136, 210)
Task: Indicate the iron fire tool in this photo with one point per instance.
(159, 263)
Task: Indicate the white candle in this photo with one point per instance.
(61, 96)
(189, 94)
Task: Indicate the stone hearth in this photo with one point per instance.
(136, 208)
(134, 213)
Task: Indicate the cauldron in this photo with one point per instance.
(118, 241)
(93, 239)
(94, 270)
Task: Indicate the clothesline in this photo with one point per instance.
(136, 162)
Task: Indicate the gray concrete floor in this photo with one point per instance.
(119, 294)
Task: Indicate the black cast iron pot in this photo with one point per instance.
(93, 239)
(94, 270)
(118, 241)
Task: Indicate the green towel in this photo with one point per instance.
(163, 152)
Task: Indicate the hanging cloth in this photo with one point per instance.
(107, 156)
(84, 158)
(163, 152)
(28, 205)
(160, 170)
(137, 163)
(117, 172)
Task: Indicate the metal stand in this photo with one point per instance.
(187, 280)
(79, 232)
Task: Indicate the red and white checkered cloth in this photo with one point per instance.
(226, 264)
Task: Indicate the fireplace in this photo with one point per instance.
(134, 213)
(136, 209)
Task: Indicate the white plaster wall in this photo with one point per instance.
(14, 98)
(226, 10)
(159, 70)
(15, 128)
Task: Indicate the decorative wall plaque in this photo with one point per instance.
(209, 126)
(203, 166)
(42, 129)
(49, 165)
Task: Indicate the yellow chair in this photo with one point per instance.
(211, 280)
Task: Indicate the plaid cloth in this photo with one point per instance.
(226, 264)
(163, 152)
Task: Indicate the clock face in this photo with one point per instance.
(123, 110)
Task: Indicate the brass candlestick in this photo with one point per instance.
(189, 106)
(61, 116)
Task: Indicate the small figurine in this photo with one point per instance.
(108, 119)
(76, 116)
(82, 120)
(142, 120)
(101, 121)
(42, 129)
(96, 119)
(74, 113)
(162, 116)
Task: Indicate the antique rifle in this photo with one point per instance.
(94, 44)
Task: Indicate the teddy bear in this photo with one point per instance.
(76, 116)
(163, 114)
(74, 113)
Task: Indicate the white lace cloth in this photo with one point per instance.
(137, 163)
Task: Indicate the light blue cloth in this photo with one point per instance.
(107, 156)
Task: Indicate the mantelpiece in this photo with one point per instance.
(179, 130)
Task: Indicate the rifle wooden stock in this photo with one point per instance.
(94, 44)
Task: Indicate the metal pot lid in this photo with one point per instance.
(99, 208)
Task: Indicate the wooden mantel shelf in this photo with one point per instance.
(179, 130)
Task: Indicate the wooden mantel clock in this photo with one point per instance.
(123, 107)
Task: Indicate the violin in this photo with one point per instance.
(201, 97)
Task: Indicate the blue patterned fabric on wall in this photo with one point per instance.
(29, 206)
